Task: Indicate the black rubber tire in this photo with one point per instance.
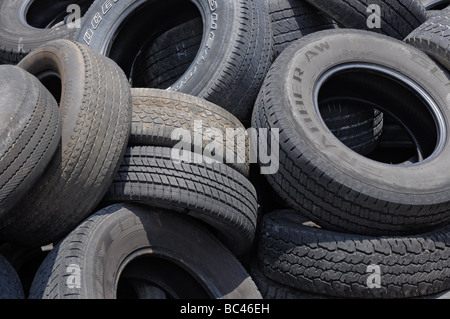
(337, 264)
(167, 58)
(107, 242)
(10, 284)
(213, 193)
(332, 185)
(28, 145)
(25, 261)
(433, 38)
(293, 19)
(158, 113)
(234, 57)
(19, 36)
(96, 122)
(398, 17)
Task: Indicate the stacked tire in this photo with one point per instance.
(357, 226)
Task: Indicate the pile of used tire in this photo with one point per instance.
(239, 149)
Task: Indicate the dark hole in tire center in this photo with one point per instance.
(143, 25)
(410, 132)
(44, 14)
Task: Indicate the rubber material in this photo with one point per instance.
(157, 114)
(30, 131)
(103, 245)
(95, 106)
(213, 193)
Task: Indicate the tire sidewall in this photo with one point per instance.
(305, 126)
(217, 29)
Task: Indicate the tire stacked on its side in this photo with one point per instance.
(382, 227)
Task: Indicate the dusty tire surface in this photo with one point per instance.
(95, 106)
(233, 59)
(397, 18)
(343, 265)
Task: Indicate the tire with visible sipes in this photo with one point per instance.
(10, 284)
(324, 179)
(169, 56)
(137, 247)
(27, 24)
(232, 61)
(213, 193)
(335, 264)
(396, 18)
(293, 19)
(95, 105)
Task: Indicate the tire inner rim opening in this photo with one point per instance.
(395, 95)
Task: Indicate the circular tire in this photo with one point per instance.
(233, 59)
(397, 18)
(124, 238)
(30, 131)
(321, 177)
(167, 58)
(27, 24)
(11, 286)
(433, 38)
(95, 107)
(352, 266)
(157, 114)
(213, 193)
(436, 4)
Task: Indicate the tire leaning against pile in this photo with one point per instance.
(30, 131)
(235, 54)
(322, 178)
(95, 108)
(108, 241)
